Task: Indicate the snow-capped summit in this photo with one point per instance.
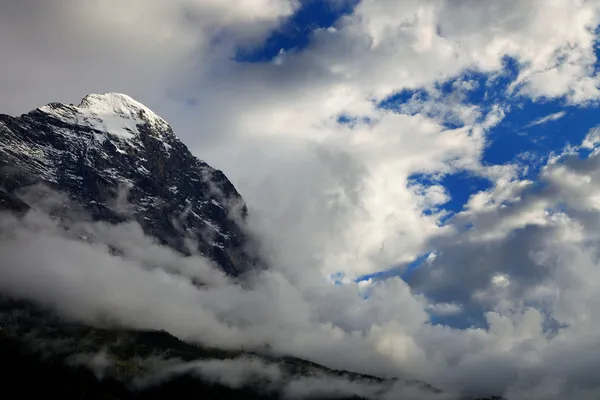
(113, 113)
(118, 103)
(120, 161)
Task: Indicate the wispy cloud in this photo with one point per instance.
(274, 378)
(548, 118)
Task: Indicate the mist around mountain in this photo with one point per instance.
(127, 264)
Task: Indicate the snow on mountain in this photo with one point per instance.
(114, 113)
(120, 161)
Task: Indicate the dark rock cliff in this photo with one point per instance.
(120, 161)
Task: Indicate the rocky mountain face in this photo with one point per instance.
(120, 161)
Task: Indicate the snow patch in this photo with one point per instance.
(99, 137)
(216, 244)
(119, 150)
(168, 148)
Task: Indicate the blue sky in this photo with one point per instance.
(530, 132)
(295, 32)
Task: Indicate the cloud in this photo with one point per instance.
(177, 58)
(149, 287)
(516, 279)
(592, 139)
(140, 48)
(548, 118)
(445, 309)
(234, 373)
(275, 378)
(75, 273)
(537, 277)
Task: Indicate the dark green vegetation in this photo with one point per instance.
(42, 355)
(33, 374)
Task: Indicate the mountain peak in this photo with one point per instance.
(119, 161)
(119, 103)
(114, 113)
